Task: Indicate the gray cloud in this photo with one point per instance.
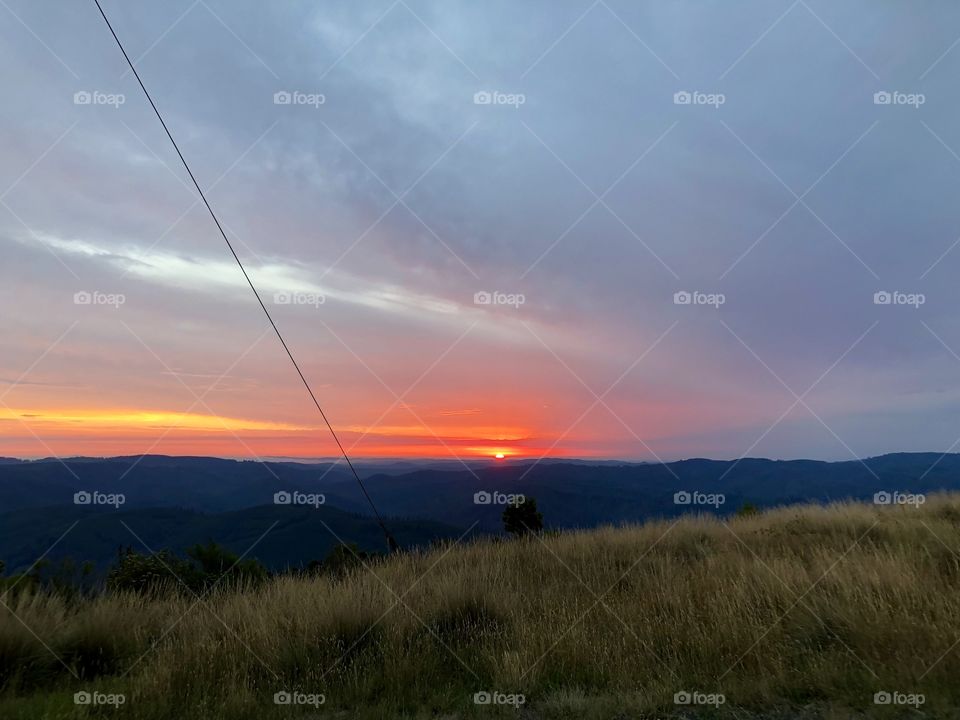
(503, 196)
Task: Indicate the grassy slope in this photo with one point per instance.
(806, 611)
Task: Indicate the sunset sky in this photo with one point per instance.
(386, 194)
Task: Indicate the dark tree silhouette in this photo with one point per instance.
(521, 518)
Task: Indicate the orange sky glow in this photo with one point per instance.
(119, 431)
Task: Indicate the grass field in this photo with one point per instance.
(799, 612)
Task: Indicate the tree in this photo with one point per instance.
(208, 566)
(216, 562)
(343, 558)
(151, 574)
(522, 517)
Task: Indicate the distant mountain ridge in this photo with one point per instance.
(181, 500)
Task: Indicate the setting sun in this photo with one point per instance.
(499, 456)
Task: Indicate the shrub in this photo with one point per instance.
(152, 574)
(342, 559)
(208, 565)
(217, 564)
(522, 518)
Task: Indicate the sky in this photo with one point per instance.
(612, 229)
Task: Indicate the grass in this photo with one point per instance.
(795, 613)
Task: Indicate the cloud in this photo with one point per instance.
(398, 198)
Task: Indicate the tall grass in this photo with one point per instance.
(805, 611)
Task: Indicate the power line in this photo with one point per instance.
(391, 542)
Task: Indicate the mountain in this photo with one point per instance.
(173, 502)
(278, 536)
(583, 495)
(197, 483)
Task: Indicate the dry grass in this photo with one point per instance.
(799, 612)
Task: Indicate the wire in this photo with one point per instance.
(391, 542)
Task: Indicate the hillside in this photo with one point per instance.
(800, 612)
(571, 494)
(278, 536)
